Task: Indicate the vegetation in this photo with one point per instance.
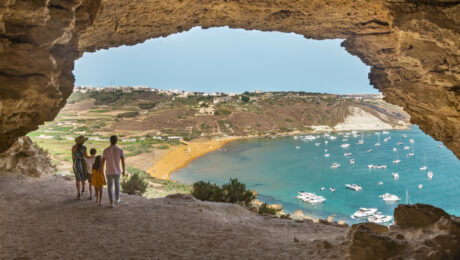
(134, 184)
(223, 112)
(128, 114)
(147, 105)
(232, 192)
(265, 209)
(245, 98)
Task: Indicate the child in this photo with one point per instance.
(89, 165)
(98, 178)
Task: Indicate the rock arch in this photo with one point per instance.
(412, 46)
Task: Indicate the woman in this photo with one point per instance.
(79, 165)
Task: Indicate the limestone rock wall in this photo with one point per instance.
(412, 46)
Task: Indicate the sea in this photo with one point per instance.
(279, 168)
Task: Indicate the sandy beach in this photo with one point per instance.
(178, 157)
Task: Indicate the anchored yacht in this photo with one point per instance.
(363, 213)
(344, 145)
(424, 167)
(395, 175)
(379, 218)
(352, 161)
(311, 198)
(355, 187)
(389, 197)
(430, 175)
(335, 165)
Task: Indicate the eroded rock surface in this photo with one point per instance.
(412, 46)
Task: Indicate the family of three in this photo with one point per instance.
(96, 169)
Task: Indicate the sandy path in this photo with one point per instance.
(41, 220)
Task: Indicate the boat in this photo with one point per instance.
(361, 141)
(352, 161)
(297, 147)
(386, 139)
(404, 135)
(411, 153)
(420, 186)
(380, 183)
(372, 166)
(309, 138)
(378, 142)
(332, 189)
(389, 197)
(430, 175)
(399, 143)
(317, 144)
(327, 154)
(397, 159)
(311, 198)
(440, 145)
(406, 147)
(395, 175)
(424, 167)
(322, 188)
(363, 213)
(325, 150)
(379, 218)
(385, 132)
(370, 150)
(347, 154)
(335, 165)
(344, 145)
(411, 141)
(325, 142)
(355, 187)
(332, 137)
(394, 149)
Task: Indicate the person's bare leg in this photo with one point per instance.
(83, 186)
(77, 183)
(100, 195)
(90, 188)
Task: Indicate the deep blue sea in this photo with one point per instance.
(277, 170)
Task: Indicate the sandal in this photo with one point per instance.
(78, 196)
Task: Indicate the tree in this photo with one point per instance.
(245, 98)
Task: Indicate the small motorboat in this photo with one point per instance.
(410, 154)
(325, 150)
(370, 151)
(430, 175)
(347, 154)
(411, 141)
(361, 142)
(325, 142)
(420, 186)
(385, 132)
(345, 140)
(335, 165)
(424, 167)
(322, 188)
(396, 161)
(332, 189)
(297, 147)
(380, 183)
(327, 154)
(363, 213)
(389, 197)
(404, 135)
(352, 161)
(395, 175)
(379, 218)
(317, 144)
(394, 149)
(406, 147)
(355, 187)
(399, 143)
(332, 137)
(344, 145)
(372, 166)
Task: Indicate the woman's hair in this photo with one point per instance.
(97, 162)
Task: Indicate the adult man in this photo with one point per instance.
(111, 158)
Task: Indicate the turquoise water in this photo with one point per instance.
(277, 171)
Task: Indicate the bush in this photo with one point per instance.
(128, 114)
(236, 191)
(223, 112)
(245, 98)
(148, 105)
(265, 209)
(207, 191)
(232, 192)
(134, 185)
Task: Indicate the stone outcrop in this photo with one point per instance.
(412, 46)
(420, 232)
(26, 158)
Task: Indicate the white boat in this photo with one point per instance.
(327, 154)
(389, 197)
(386, 139)
(325, 142)
(322, 188)
(355, 187)
(332, 137)
(380, 183)
(317, 144)
(345, 140)
(404, 135)
(424, 165)
(344, 145)
(347, 154)
(385, 132)
(309, 137)
(440, 145)
(411, 141)
(430, 175)
(399, 143)
(370, 150)
(335, 165)
(325, 150)
(352, 161)
(378, 142)
(361, 142)
(332, 189)
(397, 159)
(363, 213)
(411, 154)
(372, 166)
(311, 198)
(297, 147)
(406, 147)
(379, 218)
(395, 175)
(420, 186)
(394, 149)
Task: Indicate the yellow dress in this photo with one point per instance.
(98, 178)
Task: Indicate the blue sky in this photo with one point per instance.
(228, 60)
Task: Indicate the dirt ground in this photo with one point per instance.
(41, 219)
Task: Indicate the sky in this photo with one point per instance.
(228, 60)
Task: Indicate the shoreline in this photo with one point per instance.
(178, 157)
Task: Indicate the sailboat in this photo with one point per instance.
(412, 153)
(424, 165)
(361, 141)
(378, 142)
(397, 159)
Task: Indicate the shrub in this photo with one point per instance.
(148, 105)
(265, 209)
(223, 112)
(236, 191)
(207, 191)
(128, 114)
(134, 185)
(245, 98)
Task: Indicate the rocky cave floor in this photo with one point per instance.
(41, 219)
